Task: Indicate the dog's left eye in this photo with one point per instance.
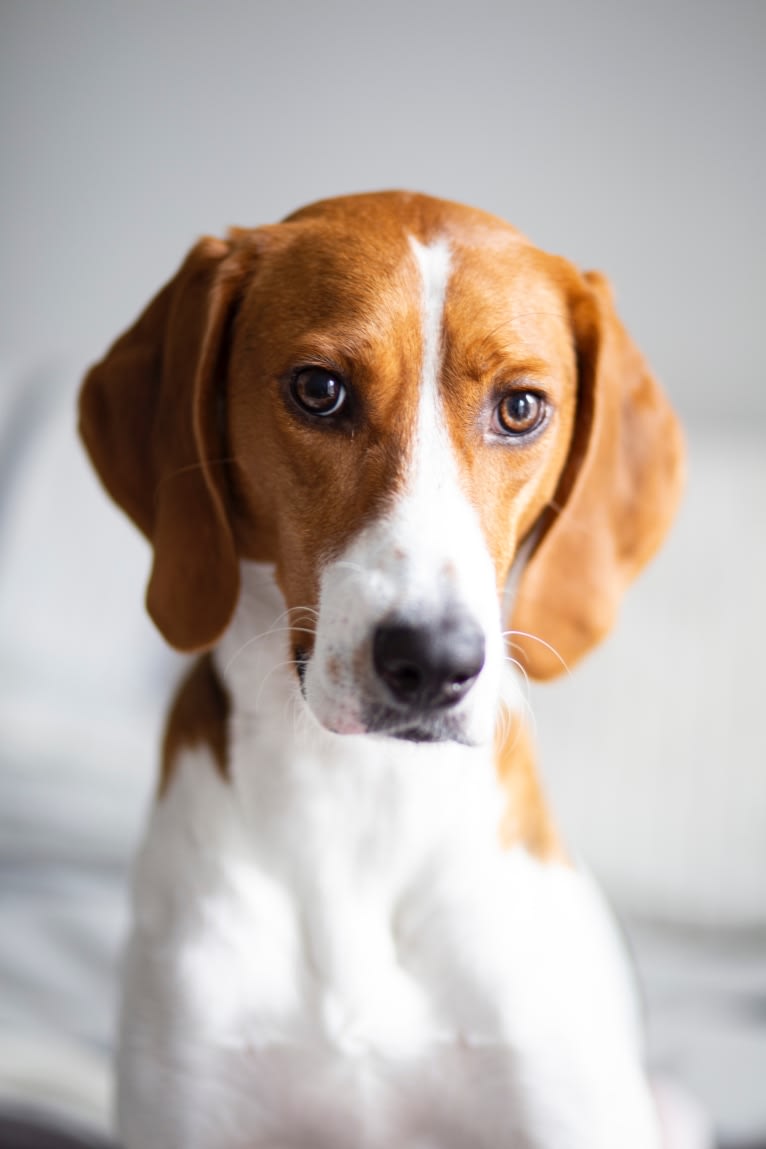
(318, 391)
(520, 413)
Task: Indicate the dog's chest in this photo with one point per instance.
(328, 898)
(338, 945)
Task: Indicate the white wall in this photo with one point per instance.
(627, 136)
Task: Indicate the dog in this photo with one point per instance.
(391, 458)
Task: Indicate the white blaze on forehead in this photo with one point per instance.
(434, 264)
(431, 449)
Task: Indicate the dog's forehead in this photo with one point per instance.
(350, 267)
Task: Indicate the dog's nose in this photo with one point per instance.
(429, 665)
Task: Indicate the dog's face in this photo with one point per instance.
(385, 396)
(412, 405)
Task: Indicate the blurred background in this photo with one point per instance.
(626, 136)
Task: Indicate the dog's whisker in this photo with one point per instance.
(525, 697)
(277, 666)
(522, 671)
(273, 630)
(517, 665)
(299, 610)
(503, 723)
(536, 638)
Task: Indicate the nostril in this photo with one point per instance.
(398, 661)
(458, 681)
(403, 677)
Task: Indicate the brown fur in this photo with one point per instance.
(199, 714)
(527, 819)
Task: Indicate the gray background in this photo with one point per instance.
(626, 136)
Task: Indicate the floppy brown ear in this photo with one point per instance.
(149, 416)
(615, 501)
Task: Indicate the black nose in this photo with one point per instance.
(429, 665)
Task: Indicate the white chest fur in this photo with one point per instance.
(332, 949)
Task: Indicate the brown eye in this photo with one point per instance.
(318, 391)
(521, 412)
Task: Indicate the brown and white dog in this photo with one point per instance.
(387, 453)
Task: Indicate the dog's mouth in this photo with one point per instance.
(420, 734)
(417, 734)
(413, 724)
(417, 727)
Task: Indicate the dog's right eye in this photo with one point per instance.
(318, 391)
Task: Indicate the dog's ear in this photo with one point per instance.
(615, 501)
(151, 418)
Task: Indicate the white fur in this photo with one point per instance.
(332, 949)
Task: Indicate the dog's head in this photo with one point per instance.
(398, 401)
